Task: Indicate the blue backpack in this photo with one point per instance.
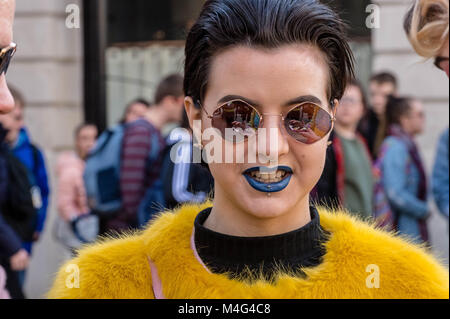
(102, 173)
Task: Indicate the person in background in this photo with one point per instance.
(140, 137)
(427, 26)
(31, 156)
(13, 258)
(373, 126)
(135, 110)
(403, 175)
(71, 192)
(10, 246)
(347, 179)
(184, 181)
(440, 175)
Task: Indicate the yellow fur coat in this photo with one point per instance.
(360, 262)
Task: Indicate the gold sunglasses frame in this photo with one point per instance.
(261, 115)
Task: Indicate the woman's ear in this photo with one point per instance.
(193, 113)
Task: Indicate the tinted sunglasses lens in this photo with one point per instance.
(308, 123)
(236, 118)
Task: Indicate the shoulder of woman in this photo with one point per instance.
(110, 268)
(405, 268)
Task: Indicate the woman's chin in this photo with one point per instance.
(272, 206)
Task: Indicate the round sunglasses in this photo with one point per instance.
(307, 122)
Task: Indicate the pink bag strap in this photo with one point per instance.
(156, 281)
(194, 249)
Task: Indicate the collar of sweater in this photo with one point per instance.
(245, 257)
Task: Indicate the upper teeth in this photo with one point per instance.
(268, 176)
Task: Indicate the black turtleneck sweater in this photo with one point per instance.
(255, 257)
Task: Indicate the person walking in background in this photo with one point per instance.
(184, 181)
(71, 193)
(427, 26)
(31, 156)
(13, 258)
(135, 110)
(373, 126)
(32, 159)
(440, 177)
(7, 48)
(180, 181)
(141, 148)
(403, 175)
(347, 179)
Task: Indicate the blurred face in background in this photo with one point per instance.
(413, 122)
(174, 106)
(351, 108)
(6, 21)
(378, 95)
(85, 140)
(13, 123)
(135, 111)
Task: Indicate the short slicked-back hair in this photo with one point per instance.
(266, 24)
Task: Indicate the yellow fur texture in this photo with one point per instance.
(360, 262)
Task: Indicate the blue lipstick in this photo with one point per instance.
(268, 187)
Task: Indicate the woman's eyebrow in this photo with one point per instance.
(228, 98)
(297, 100)
(304, 98)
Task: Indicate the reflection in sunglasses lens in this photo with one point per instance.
(307, 123)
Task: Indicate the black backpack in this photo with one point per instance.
(18, 208)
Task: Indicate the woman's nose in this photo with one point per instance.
(272, 144)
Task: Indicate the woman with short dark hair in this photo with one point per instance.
(263, 79)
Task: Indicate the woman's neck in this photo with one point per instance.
(231, 219)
